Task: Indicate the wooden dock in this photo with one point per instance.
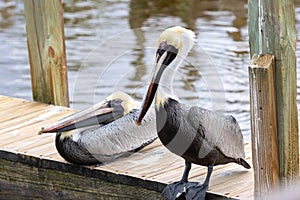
(31, 167)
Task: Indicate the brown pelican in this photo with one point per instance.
(198, 135)
(103, 132)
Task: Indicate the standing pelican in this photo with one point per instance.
(198, 135)
(103, 132)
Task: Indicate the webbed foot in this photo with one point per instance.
(182, 190)
(196, 192)
(188, 190)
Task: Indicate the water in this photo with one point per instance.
(110, 47)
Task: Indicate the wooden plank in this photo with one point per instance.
(12, 117)
(33, 121)
(232, 178)
(43, 150)
(263, 124)
(24, 145)
(19, 181)
(5, 104)
(272, 30)
(166, 172)
(85, 173)
(46, 49)
(2, 98)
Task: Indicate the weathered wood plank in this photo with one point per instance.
(46, 49)
(2, 98)
(19, 181)
(263, 124)
(13, 116)
(6, 105)
(31, 119)
(272, 30)
(28, 177)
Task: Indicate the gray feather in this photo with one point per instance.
(218, 130)
(119, 137)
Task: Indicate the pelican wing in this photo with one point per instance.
(119, 137)
(218, 130)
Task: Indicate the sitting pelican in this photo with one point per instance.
(103, 132)
(198, 135)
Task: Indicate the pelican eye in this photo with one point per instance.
(160, 52)
(171, 54)
(114, 103)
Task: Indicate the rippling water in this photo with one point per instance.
(110, 46)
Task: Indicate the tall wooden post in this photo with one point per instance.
(272, 31)
(46, 49)
(264, 135)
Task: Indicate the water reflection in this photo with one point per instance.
(187, 10)
(140, 11)
(7, 13)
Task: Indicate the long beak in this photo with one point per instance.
(100, 114)
(162, 61)
(148, 101)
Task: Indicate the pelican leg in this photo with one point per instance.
(177, 190)
(199, 191)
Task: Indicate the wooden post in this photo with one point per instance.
(46, 49)
(263, 124)
(272, 30)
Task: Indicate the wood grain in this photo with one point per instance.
(272, 31)
(263, 124)
(46, 49)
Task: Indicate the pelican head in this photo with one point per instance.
(173, 46)
(128, 104)
(113, 107)
(180, 38)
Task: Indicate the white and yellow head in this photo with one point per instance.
(181, 38)
(128, 103)
(173, 46)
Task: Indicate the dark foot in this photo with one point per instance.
(196, 192)
(184, 190)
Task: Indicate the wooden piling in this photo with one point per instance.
(263, 124)
(46, 49)
(272, 30)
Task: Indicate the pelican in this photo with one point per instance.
(197, 134)
(103, 132)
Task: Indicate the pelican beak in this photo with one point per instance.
(164, 56)
(100, 114)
